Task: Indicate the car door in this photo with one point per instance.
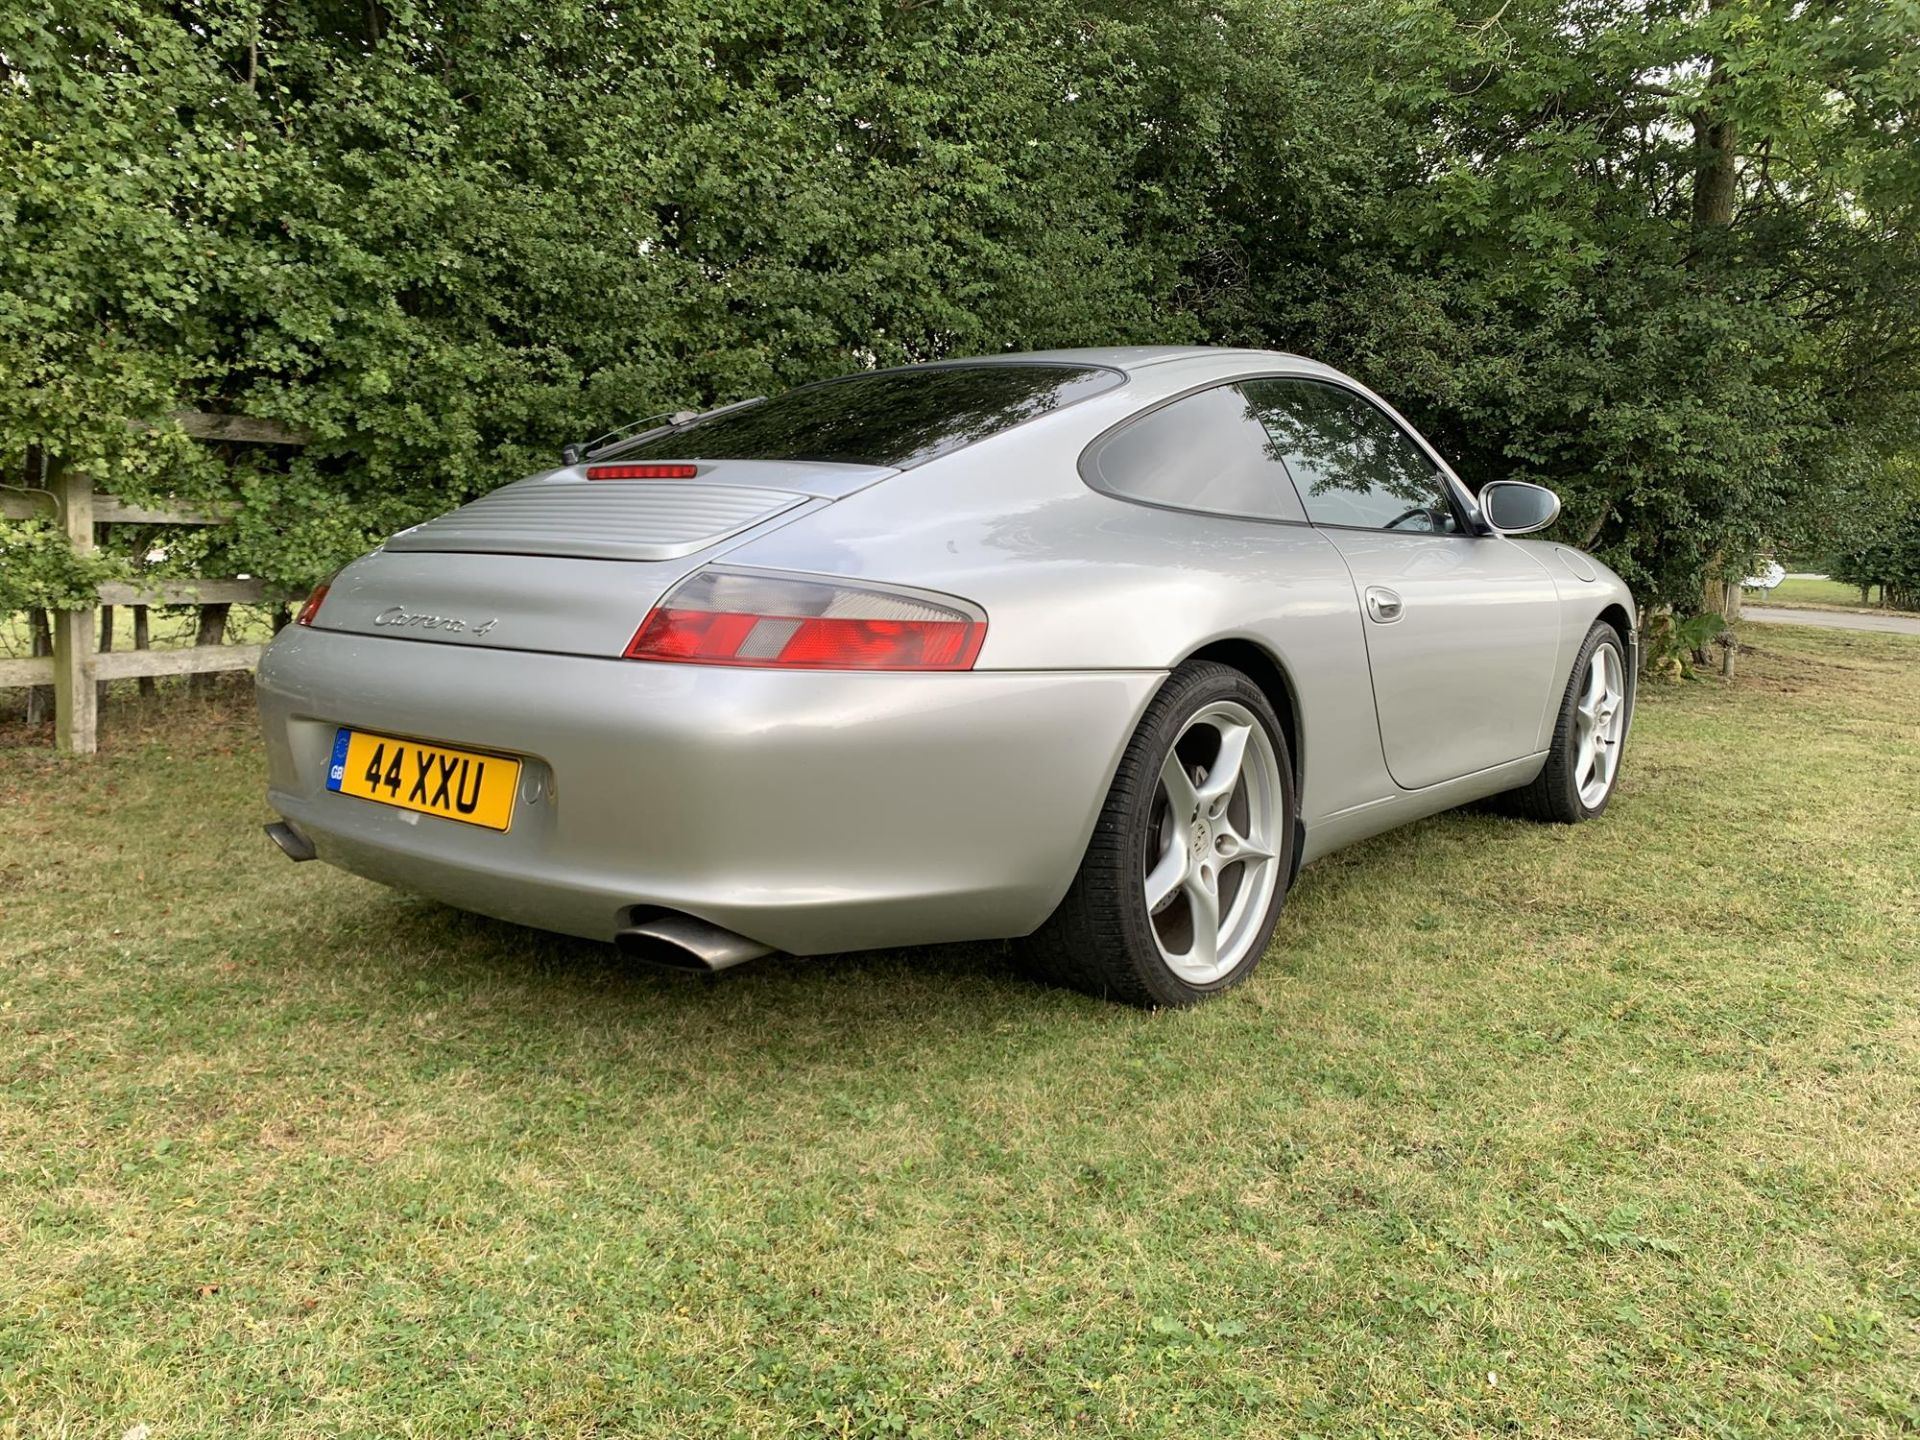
(1462, 629)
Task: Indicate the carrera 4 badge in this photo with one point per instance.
(398, 616)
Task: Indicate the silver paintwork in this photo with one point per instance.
(821, 811)
(812, 811)
(1477, 605)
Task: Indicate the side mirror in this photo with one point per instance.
(1514, 507)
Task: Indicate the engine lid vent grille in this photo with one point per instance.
(650, 520)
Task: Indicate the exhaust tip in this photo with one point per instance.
(681, 942)
(662, 954)
(292, 843)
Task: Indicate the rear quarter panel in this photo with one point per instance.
(1074, 580)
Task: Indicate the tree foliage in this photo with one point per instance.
(1533, 274)
(1661, 257)
(40, 571)
(1873, 534)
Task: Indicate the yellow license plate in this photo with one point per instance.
(458, 785)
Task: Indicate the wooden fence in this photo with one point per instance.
(79, 666)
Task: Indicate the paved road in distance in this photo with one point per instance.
(1832, 619)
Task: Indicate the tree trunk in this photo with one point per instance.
(213, 629)
(1715, 153)
(1716, 141)
(1719, 597)
(1715, 150)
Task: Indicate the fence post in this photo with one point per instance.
(68, 652)
(76, 706)
(106, 646)
(141, 642)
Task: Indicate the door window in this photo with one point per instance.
(1350, 462)
(1206, 451)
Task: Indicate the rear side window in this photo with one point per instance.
(1351, 463)
(899, 418)
(1206, 451)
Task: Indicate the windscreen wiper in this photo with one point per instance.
(615, 441)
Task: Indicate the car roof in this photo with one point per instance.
(1131, 358)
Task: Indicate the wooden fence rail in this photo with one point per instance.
(77, 667)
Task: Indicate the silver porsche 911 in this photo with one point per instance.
(1092, 648)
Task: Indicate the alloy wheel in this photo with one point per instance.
(1600, 724)
(1211, 863)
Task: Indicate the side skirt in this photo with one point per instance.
(1360, 822)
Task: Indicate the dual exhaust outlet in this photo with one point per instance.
(669, 940)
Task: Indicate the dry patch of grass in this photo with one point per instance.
(1607, 1131)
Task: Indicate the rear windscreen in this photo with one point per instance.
(896, 418)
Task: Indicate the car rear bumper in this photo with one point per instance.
(809, 811)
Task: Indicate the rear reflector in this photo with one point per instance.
(730, 617)
(314, 602)
(642, 472)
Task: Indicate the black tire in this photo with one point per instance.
(1101, 938)
(1554, 795)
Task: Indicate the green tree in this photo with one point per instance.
(1663, 258)
(1871, 534)
(446, 238)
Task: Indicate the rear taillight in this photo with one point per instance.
(314, 601)
(736, 617)
(642, 472)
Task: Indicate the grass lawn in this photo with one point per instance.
(1599, 1132)
(1817, 593)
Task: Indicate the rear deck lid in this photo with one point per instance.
(555, 604)
(566, 565)
(564, 512)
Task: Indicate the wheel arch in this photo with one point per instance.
(1266, 670)
(1616, 615)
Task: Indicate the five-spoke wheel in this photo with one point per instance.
(1600, 724)
(1189, 862)
(1590, 731)
(1210, 857)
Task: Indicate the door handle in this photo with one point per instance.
(1383, 605)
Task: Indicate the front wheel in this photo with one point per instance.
(1183, 880)
(1589, 735)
